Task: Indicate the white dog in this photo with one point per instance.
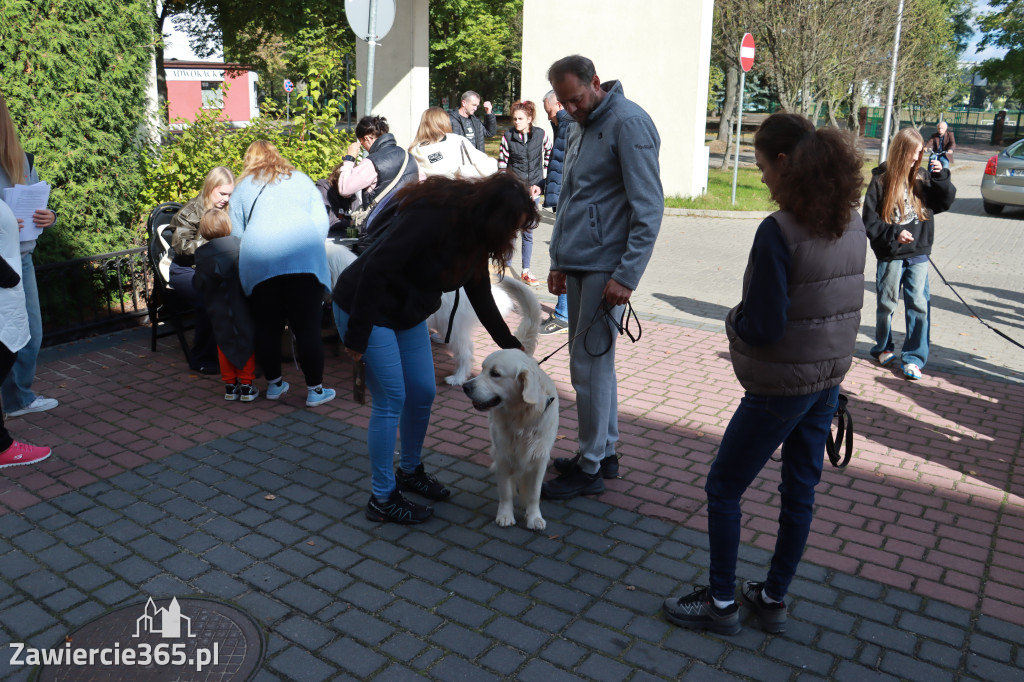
(523, 410)
(463, 327)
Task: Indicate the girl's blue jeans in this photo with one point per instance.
(800, 424)
(400, 376)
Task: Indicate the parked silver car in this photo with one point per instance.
(1003, 182)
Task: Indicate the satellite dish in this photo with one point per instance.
(358, 14)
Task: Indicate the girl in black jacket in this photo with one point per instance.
(440, 239)
(525, 150)
(899, 216)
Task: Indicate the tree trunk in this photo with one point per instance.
(161, 72)
(832, 104)
(725, 123)
(853, 119)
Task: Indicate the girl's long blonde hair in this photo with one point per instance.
(434, 125)
(264, 163)
(901, 177)
(12, 156)
(218, 176)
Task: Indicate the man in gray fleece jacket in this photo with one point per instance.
(609, 214)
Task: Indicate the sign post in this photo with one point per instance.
(746, 61)
(370, 20)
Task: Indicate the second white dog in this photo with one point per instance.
(463, 327)
(522, 405)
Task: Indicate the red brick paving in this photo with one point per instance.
(930, 503)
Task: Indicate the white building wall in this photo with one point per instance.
(659, 49)
(401, 87)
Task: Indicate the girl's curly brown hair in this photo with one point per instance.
(820, 176)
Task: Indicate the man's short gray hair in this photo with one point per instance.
(470, 93)
(550, 96)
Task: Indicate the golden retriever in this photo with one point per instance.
(522, 406)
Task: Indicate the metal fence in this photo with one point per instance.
(969, 126)
(92, 295)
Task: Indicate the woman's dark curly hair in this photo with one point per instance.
(487, 213)
(820, 177)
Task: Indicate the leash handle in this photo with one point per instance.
(603, 310)
(844, 428)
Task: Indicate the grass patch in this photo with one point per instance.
(751, 193)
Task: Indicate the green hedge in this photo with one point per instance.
(74, 76)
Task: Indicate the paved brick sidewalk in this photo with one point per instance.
(913, 569)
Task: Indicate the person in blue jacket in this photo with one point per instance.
(560, 121)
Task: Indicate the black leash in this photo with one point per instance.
(845, 427)
(974, 314)
(622, 325)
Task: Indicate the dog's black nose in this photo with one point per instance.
(467, 387)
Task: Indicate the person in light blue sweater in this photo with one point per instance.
(279, 216)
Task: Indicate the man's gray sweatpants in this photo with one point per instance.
(592, 366)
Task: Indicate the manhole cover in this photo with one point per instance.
(177, 640)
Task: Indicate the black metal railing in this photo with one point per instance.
(93, 295)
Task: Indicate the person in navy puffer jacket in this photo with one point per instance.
(561, 121)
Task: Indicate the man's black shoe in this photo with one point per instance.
(572, 483)
(609, 465)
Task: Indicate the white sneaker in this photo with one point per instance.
(40, 404)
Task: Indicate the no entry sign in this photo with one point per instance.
(747, 52)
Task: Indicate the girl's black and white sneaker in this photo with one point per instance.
(397, 509)
(422, 483)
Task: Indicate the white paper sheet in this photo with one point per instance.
(24, 201)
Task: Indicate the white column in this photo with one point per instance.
(401, 89)
(659, 49)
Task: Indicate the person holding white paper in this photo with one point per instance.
(16, 168)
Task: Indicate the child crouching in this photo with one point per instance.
(217, 280)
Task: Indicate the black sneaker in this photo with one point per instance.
(697, 610)
(422, 483)
(609, 465)
(572, 483)
(247, 393)
(553, 325)
(771, 617)
(397, 510)
(230, 391)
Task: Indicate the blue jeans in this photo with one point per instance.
(527, 249)
(801, 425)
(562, 308)
(400, 376)
(16, 391)
(916, 300)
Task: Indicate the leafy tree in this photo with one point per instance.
(475, 45)
(74, 76)
(1004, 27)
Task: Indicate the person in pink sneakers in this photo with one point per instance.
(14, 332)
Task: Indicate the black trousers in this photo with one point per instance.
(204, 345)
(6, 363)
(299, 301)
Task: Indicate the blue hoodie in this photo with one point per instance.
(611, 202)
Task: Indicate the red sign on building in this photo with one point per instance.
(196, 86)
